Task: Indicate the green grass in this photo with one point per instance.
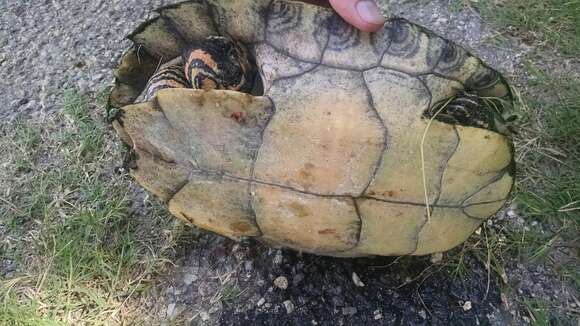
(29, 140)
(541, 314)
(540, 23)
(548, 146)
(547, 196)
(549, 154)
(547, 190)
(82, 255)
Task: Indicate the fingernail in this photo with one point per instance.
(369, 12)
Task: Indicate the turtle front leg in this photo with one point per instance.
(471, 110)
(168, 76)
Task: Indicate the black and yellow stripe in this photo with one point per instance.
(214, 63)
(171, 76)
(218, 63)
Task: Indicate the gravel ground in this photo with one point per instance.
(50, 46)
(220, 282)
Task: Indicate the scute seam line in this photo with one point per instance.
(380, 159)
(253, 166)
(493, 180)
(436, 74)
(159, 108)
(325, 65)
(173, 28)
(212, 18)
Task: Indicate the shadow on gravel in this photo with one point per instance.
(220, 282)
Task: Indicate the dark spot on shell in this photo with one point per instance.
(327, 231)
(305, 172)
(299, 209)
(449, 53)
(240, 117)
(399, 31)
(240, 227)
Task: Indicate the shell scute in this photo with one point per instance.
(322, 139)
(298, 29)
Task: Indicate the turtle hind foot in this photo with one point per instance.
(472, 110)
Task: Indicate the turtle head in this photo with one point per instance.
(218, 63)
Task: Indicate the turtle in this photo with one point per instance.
(326, 139)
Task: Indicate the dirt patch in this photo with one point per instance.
(221, 282)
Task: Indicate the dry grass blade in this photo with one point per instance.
(422, 150)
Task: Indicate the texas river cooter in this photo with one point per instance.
(278, 120)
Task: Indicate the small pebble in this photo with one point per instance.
(357, 280)
(526, 319)
(170, 310)
(261, 302)
(204, 315)
(189, 278)
(436, 257)
(467, 306)
(511, 213)
(289, 306)
(281, 282)
(278, 258)
(423, 314)
(377, 314)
